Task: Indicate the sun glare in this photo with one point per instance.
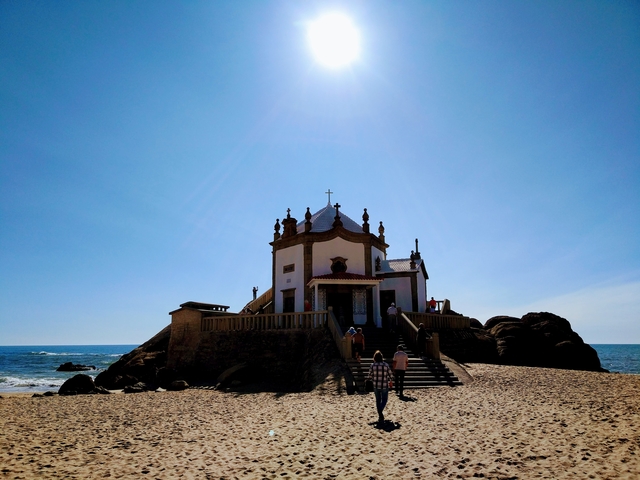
(334, 40)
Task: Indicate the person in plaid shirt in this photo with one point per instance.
(380, 374)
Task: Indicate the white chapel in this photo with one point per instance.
(329, 260)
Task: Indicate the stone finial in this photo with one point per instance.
(381, 231)
(412, 263)
(289, 225)
(276, 228)
(337, 222)
(365, 220)
(418, 257)
(307, 223)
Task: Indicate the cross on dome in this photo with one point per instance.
(329, 192)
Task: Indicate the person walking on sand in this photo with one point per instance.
(400, 365)
(358, 343)
(380, 374)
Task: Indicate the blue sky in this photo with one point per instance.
(146, 149)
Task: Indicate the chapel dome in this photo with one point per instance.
(323, 219)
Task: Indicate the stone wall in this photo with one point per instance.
(185, 337)
(283, 359)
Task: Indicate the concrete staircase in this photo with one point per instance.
(421, 373)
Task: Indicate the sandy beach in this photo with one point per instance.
(509, 422)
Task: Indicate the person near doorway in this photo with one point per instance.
(400, 365)
(380, 374)
(392, 313)
(421, 341)
(358, 343)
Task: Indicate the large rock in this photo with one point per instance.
(537, 340)
(177, 385)
(78, 385)
(509, 329)
(140, 365)
(475, 323)
(74, 367)
(493, 321)
(576, 356)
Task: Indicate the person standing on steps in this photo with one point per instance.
(421, 341)
(352, 332)
(392, 313)
(380, 374)
(358, 343)
(400, 365)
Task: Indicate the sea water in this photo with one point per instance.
(33, 368)
(619, 358)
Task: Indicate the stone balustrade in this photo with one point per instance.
(267, 321)
(436, 321)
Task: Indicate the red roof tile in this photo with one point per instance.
(345, 276)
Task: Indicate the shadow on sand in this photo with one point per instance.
(405, 398)
(388, 426)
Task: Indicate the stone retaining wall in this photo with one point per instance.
(283, 358)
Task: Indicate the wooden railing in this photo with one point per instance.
(267, 321)
(343, 342)
(436, 321)
(410, 333)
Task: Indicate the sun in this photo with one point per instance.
(334, 40)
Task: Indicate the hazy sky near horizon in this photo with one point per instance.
(147, 148)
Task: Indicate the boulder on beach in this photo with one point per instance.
(178, 385)
(74, 367)
(539, 339)
(77, 385)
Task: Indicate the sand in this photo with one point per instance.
(510, 422)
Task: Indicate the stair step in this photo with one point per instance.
(422, 373)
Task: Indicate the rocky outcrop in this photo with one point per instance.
(74, 367)
(140, 365)
(536, 340)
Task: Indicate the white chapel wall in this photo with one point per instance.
(323, 252)
(293, 255)
(422, 292)
(375, 253)
(402, 286)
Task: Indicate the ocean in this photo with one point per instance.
(619, 358)
(33, 368)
